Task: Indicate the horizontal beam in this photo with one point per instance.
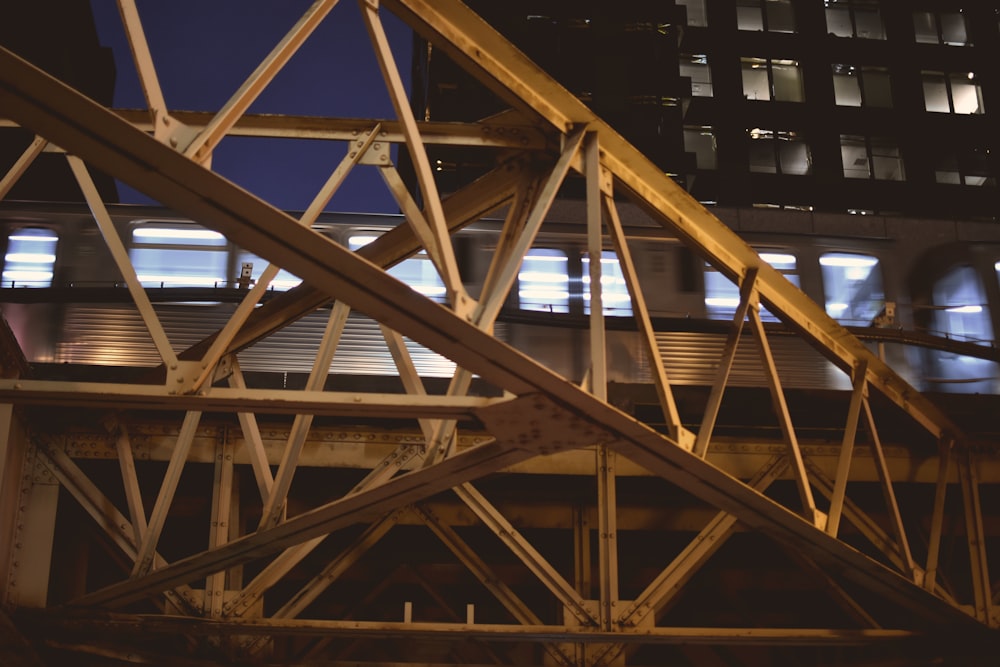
(505, 132)
(111, 396)
(142, 625)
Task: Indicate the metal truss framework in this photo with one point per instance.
(538, 418)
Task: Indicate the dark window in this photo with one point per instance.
(964, 166)
(778, 152)
(868, 157)
(696, 68)
(700, 140)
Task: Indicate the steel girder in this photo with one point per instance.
(542, 412)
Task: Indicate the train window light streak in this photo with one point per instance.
(852, 287)
(960, 313)
(30, 258)
(722, 296)
(615, 299)
(854, 18)
(543, 281)
(418, 271)
(178, 256)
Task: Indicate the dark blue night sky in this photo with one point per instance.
(205, 50)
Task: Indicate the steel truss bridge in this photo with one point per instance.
(193, 518)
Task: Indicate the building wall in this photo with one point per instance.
(850, 106)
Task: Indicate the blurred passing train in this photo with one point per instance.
(924, 293)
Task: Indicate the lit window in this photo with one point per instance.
(940, 28)
(767, 79)
(867, 157)
(417, 271)
(861, 86)
(722, 296)
(696, 68)
(852, 286)
(697, 15)
(952, 93)
(615, 299)
(30, 258)
(700, 140)
(171, 255)
(781, 152)
(854, 18)
(769, 15)
(543, 281)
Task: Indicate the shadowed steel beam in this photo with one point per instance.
(14, 174)
(122, 624)
(178, 459)
(144, 67)
(274, 508)
(846, 453)
(532, 559)
(114, 525)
